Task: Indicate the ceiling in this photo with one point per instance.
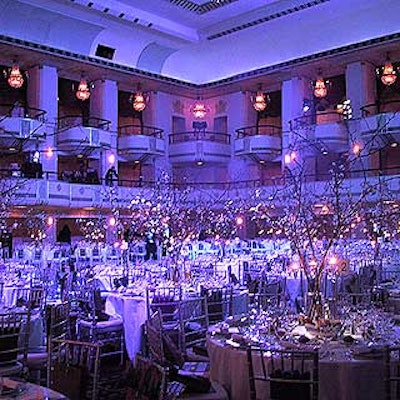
(202, 44)
(202, 15)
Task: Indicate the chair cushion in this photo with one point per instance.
(111, 323)
(36, 359)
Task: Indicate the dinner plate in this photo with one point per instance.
(9, 391)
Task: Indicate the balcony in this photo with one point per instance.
(327, 129)
(380, 125)
(136, 142)
(21, 127)
(77, 135)
(199, 147)
(262, 142)
(55, 193)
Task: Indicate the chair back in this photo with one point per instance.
(271, 292)
(219, 303)
(291, 374)
(194, 322)
(14, 337)
(154, 338)
(74, 368)
(149, 380)
(166, 300)
(59, 321)
(32, 297)
(392, 372)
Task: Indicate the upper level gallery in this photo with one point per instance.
(67, 121)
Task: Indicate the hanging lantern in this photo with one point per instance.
(83, 92)
(320, 89)
(388, 73)
(199, 110)
(15, 78)
(138, 102)
(259, 102)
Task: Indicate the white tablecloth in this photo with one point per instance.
(339, 380)
(132, 309)
(10, 294)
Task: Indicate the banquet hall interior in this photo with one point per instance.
(200, 199)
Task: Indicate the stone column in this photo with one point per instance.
(294, 92)
(104, 105)
(42, 93)
(361, 91)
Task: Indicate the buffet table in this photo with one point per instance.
(339, 379)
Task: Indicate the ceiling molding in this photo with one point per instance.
(266, 18)
(222, 82)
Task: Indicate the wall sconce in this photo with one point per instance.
(290, 157)
(83, 91)
(14, 77)
(387, 73)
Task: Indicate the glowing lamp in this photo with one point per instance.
(111, 158)
(259, 102)
(15, 78)
(199, 110)
(239, 220)
(50, 221)
(139, 102)
(388, 75)
(325, 209)
(49, 152)
(313, 263)
(333, 260)
(320, 89)
(83, 92)
(289, 157)
(356, 149)
(112, 222)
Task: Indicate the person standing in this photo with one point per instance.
(111, 175)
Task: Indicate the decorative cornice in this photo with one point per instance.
(91, 60)
(303, 60)
(235, 78)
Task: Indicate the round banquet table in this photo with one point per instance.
(132, 309)
(29, 391)
(339, 380)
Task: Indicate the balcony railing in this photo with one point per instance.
(19, 111)
(267, 130)
(267, 181)
(182, 137)
(128, 130)
(324, 117)
(380, 107)
(71, 121)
